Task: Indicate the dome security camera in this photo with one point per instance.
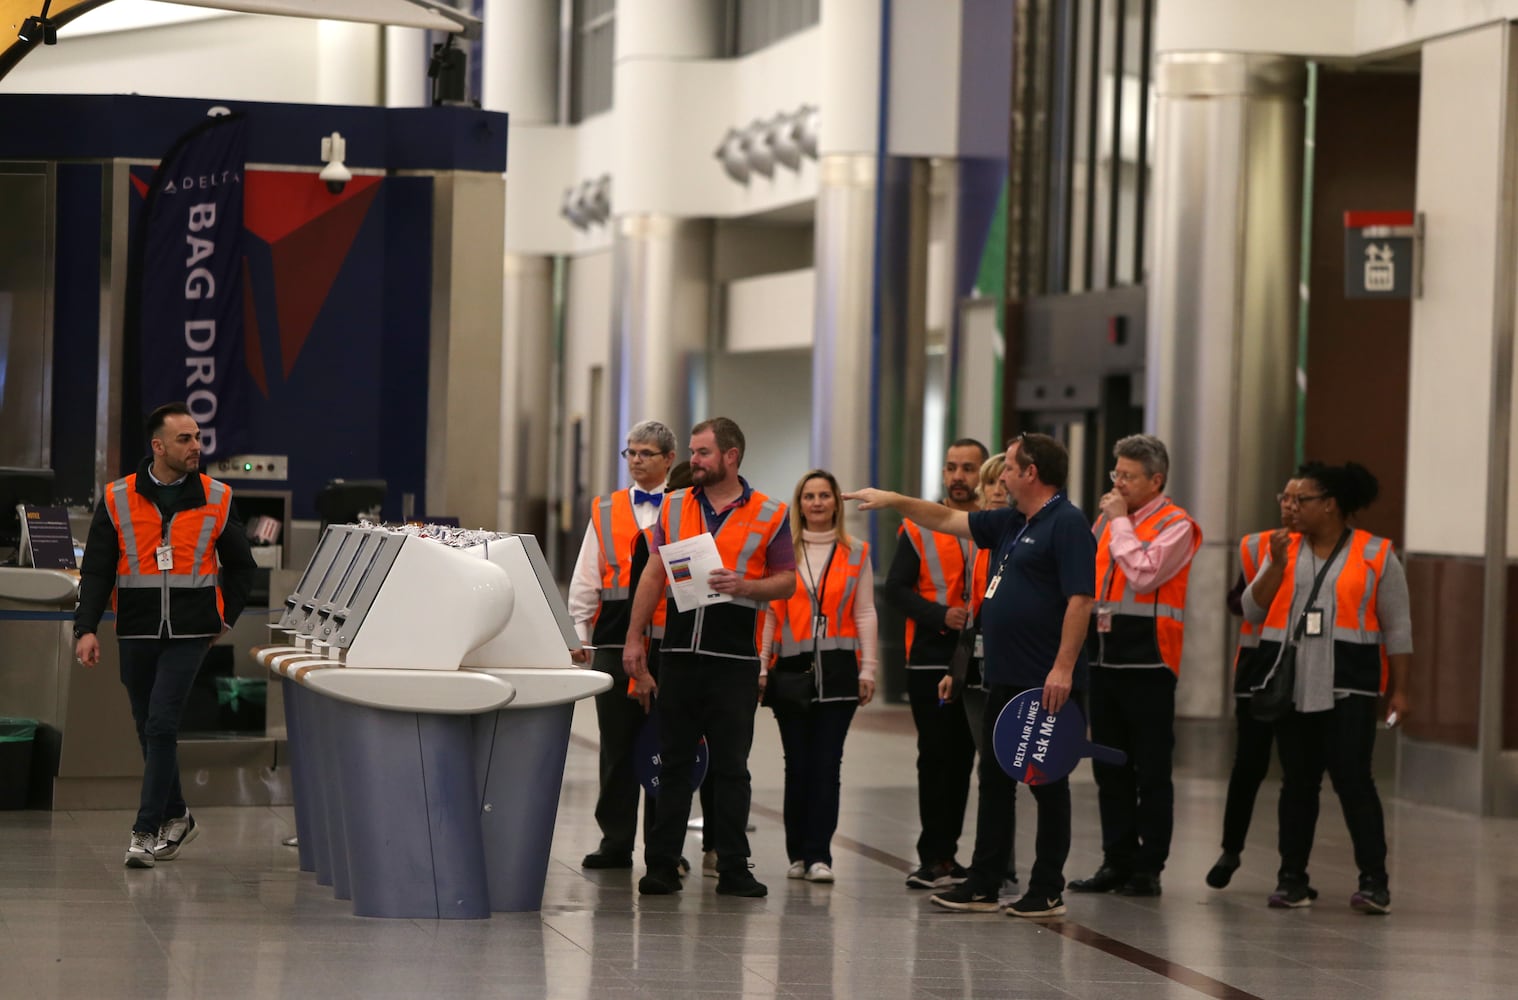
(335, 174)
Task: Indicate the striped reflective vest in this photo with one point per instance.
(1252, 551)
(184, 600)
(1147, 629)
(1360, 662)
(834, 654)
(728, 629)
(616, 528)
(942, 564)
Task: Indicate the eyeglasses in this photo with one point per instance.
(1298, 499)
(640, 453)
(1125, 477)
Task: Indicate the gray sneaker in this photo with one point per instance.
(140, 851)
(173, 835)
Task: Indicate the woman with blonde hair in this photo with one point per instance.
(819, 656)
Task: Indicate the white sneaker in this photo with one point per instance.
(173, 835)
(140, 851)
(819, 872)
(709, 864)
(796, 870)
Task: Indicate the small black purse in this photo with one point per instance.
(790, 689)
(1272, 697)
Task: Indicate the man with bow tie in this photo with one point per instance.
(600, 602)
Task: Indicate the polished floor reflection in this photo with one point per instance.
(233, 917)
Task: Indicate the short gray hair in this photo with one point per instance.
(1145, 448)
(654, 433)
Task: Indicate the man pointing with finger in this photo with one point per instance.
(1034, 619)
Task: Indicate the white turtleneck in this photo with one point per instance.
(816, 547)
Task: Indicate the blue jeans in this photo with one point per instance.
(813, 744)
(158, 674)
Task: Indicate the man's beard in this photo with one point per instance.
(708, 477)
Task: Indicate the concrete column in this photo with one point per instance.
(406, 56)
(521, 77)
(661, 263)
(1222, 319)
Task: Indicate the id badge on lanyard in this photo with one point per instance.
(165, 554)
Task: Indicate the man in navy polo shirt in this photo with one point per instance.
(1034, 619)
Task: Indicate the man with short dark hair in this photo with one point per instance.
(1144, 547)
(153, 551)
(932, 583)
(1037, 606)
(600, 601)
(709, 657)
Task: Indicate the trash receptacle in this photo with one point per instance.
(16, 737)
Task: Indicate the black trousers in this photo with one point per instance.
(1133, 710)
(620, 720)
(701, 694)
(812, 740)
(997, 816)
(158, 675)
(1251, 761)
(945, 757)
(1340, 742)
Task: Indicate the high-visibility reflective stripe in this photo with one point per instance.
(190, 581)
(125, 525)
(1167, 521)
(744, 602)
(675, 503)
(1100, 526)
(138, 581)
(750, 545)
(615, 593)
(798, 647)
(1366, 637)
(656, 632)
(608, 541)
(1143, 609)
(1271, 633)
(203, 543)
(768, 510)
(856, 561)
(929, 553)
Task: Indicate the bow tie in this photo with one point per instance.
(654, 498)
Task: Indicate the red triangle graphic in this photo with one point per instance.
(252, 343)
(276, 203)
(307, 262)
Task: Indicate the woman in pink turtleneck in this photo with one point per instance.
(826, 629)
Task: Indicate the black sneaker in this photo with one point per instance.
(659, 882)
(1105, 879)
(605, 859)
(963, 899)
(173, 835)
(1292, 894)
(740, 882)
(1373, 897)
(939, 876)
(1221, 873)
(1038, 904)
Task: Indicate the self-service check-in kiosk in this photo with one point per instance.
(428, 697)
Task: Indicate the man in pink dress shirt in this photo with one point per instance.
(1145, 544)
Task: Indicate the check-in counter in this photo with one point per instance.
(36, 652)
(428, 694)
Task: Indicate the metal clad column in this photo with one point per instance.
(661, 262)
(1222, 305)
(521, 78)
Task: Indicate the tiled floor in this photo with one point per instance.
(233, 917)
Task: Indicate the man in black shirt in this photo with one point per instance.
(1034, 619)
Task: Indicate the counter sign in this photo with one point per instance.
(1380, 254)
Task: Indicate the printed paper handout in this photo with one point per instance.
(687, 564)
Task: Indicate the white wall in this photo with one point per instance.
(770, 312)
(770, 396)
(240, 57)
(1449, 398)
(587, 345)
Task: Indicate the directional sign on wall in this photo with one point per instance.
(1378, 255)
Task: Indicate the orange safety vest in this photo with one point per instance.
(184, 598)
(835, 654)
(1359, 655)
(616, 528)
(941, 576)
(1146, 628)
(1252, 551)
(728, 629)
